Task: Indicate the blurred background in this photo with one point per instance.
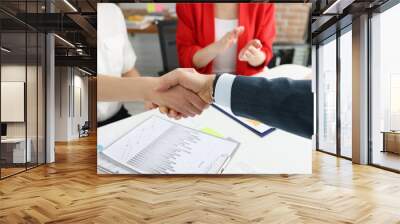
(152, 32)
(152, 29)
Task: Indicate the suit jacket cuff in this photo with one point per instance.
(223, 90)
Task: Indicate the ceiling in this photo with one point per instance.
(72, 20)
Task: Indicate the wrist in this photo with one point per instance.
(216, 48)
(149, 86)
(207, 91)
(211, 81)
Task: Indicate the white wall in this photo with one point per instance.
(80, 83)
(68, 81)
(16, 73)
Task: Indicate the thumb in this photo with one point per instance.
(167, 81)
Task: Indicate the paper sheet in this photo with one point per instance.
(158, 146)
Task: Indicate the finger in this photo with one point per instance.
(256, 43)
(231, 38)
(238, 30)
(163, 110)
(235, 33)
(153, 105)
(149, 105)
(174, 114)
(197, 102)
(241, 54)
(243, 51)
(183, 108)
(253, 50)
(179, 116)
(169, 80)
(247, 55)
(193, 111)
(176, 100)
(170, 114)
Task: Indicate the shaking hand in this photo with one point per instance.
(188, 78)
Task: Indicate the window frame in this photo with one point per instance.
(26, 30)
(347, 27)
(378, 10)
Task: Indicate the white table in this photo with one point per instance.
(277, 153)
(19, 155)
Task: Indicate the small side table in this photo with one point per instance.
(391, 141)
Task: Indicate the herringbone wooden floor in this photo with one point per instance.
(70, 191)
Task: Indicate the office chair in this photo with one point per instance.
(167, 37)
(84, 129)
(281, 56)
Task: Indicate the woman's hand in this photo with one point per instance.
(204, 56)
(149, 105)
(229, 39)
(252, 53)
(164, 110)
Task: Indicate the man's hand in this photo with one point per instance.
(177, 98)
(229, 39)
(252, 53)
(189, 79)
(181, 100)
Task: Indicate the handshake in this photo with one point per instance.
(182, 92)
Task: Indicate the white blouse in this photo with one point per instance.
(225, 61)
(115, 54)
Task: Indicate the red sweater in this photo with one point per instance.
(196, 30)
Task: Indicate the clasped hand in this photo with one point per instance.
(250, 53)
(181, 93)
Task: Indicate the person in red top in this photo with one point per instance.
(225, 37)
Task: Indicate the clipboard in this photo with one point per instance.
(252, 129)
(135, 156)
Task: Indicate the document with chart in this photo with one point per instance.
(159, 146)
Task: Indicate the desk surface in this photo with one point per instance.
(276, 153)
(152, 29)
(13, 140)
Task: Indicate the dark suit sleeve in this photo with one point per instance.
(282, 103)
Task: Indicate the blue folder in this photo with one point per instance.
(260, 134)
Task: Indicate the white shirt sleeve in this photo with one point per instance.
(128, 54)
(223, 90)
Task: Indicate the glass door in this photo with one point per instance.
(385, 89)
(346, 93)
(22, 76)
(14, 153)
(327, 96)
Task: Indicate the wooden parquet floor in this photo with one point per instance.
(70, 191)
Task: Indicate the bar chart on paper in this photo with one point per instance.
(158, 146)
